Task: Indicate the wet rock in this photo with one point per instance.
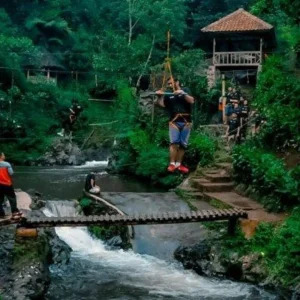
(60, 251)
(195, 257)
(207, 259)
(115, 242)
(253, 268)
(27, 274)
(64, 152)
(68, 148)
(72, 160)
(36, 197)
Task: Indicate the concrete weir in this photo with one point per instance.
(24, 201)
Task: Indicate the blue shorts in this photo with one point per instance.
(179, 133)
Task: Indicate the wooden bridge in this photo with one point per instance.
(232, 215)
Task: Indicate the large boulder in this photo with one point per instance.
(208, 259)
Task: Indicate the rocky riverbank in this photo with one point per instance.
(64, 152)
(210, 258)
(24, 261)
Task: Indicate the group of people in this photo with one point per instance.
(236, 115)
(178, 102)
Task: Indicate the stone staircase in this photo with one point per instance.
(215, 186)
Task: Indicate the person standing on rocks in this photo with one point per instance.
(179, 105)
(90, 184)
(67, 124)
(7, 189)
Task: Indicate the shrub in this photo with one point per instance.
(201, 149)
(277, 98)
(277, 187)
(284, 249)
(85, 202)
(278, 244)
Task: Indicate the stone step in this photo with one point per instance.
(223, 158)
(188, 189)
(224, 165)
(205, 186)
(199, 179)
(235, 200)
(196, 194)
(218, 177)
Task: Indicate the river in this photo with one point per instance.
(149, 270)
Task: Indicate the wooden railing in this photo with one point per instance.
(40, 79)
(249, 58)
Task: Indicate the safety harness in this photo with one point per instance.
(180, 115)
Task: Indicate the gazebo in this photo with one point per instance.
(239, 40)
(42, 68)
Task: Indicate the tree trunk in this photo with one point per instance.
(130, 21)
(147, 61)
(130, 31)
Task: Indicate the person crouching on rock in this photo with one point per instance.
(7, 189)
(179, 105)
(90, 184)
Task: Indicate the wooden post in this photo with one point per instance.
(27, 232)
(224, 98)
(96, 80)
(152, 116)
(232, 225)
(28, 74)
(261, 49)
(48, 75)
(214, 50)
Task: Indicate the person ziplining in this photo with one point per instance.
(179, 106)
(68, 122)
(178, 102)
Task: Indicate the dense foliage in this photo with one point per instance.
(277, 187)
(277, 98)
(278, 245)
(90, 46)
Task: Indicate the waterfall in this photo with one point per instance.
(143, 272)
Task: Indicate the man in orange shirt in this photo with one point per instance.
(7, 189)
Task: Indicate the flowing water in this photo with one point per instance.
(97, 272)
(67, 182)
